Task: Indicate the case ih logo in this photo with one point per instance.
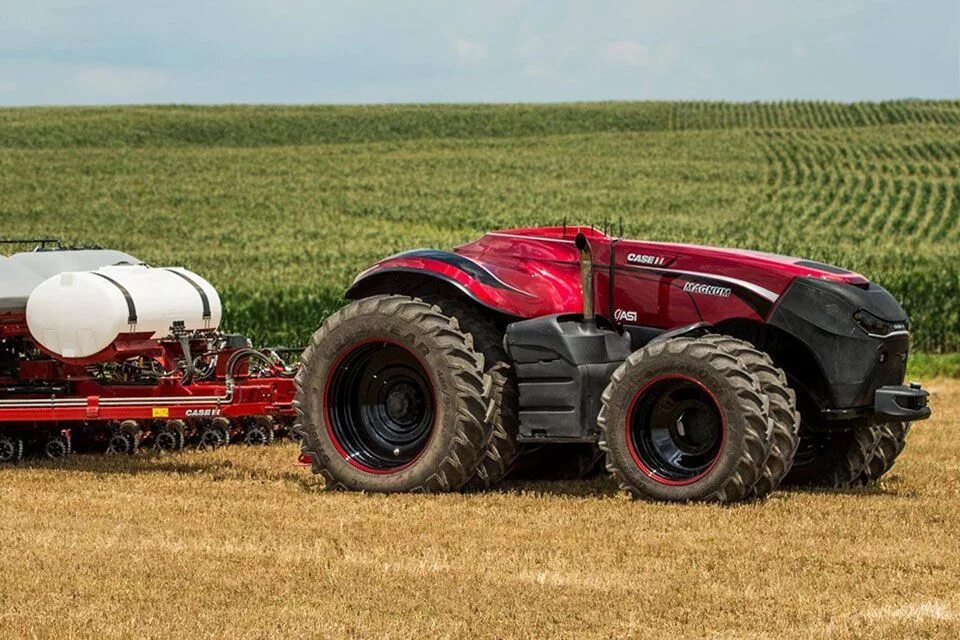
(622, 315)
(642, 258)
(202, 413)
(706, 289)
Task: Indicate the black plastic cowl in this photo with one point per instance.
(853, 363)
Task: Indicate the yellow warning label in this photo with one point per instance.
(161, 412)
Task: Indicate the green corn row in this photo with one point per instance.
(281, 206)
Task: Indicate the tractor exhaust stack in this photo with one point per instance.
(586, 276)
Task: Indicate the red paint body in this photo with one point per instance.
(538, 274)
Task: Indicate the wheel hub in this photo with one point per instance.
(404, 403)
(379, 403)
(675, 430)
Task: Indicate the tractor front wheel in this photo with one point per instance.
(684, 420)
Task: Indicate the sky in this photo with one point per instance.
(300, 51)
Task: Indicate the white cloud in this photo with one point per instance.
(122, 83)
(530, 46)
(8, 85)
(632, 54)
(538, 70)
(470, 50)
(635, 54)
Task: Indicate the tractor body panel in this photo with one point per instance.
(812, 318)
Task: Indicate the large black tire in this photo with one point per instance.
(728, 468)
(454, 433)
(502, 449)
(784, 416)
(832, 459)
(890, 443)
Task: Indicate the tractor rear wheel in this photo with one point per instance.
(683, 420)
(501, 452)
(391, 396)
(784, 417)
(833, 459)
(890, 444)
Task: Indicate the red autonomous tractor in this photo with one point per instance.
(98, 350)
(700, 373)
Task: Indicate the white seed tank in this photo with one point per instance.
(77, 314)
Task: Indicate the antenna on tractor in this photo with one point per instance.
(564, 227)
(620, 231)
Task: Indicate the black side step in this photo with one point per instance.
(563, 364)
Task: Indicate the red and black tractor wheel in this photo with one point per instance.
(391, 396)
(683, 420)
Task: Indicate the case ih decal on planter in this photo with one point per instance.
(202, 413)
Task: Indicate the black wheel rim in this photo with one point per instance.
(257, 435)
(8, 449)
(380, 407)
(168, 440)
(675, 430)
(211, 438)
(120, 443)
(56, 448)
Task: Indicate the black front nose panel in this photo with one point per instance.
(854, 364)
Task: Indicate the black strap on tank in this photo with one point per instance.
(131, 308)
(203, 294)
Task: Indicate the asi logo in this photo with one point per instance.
(622, 315)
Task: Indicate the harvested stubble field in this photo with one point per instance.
(239, 544)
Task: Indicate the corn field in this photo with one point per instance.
(280, 206)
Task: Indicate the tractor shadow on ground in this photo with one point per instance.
(601, 487)
(890, 487)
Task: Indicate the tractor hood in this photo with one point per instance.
(535, 271)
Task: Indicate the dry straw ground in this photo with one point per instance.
(241, 544)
